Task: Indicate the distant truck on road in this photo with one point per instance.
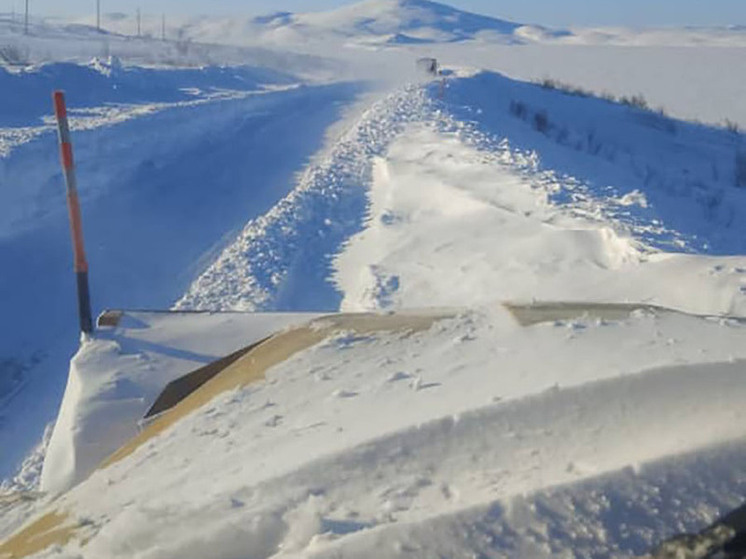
(429, 66)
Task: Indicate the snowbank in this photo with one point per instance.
(453, 225)
(597, 202)
(105, 81)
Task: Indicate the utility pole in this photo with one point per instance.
(163, 27)
(139, 23)
(98, 15)
(25, 24)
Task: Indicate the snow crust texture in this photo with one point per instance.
(116, 379)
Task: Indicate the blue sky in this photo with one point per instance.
(548, 12)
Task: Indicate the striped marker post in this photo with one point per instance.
(73, 207)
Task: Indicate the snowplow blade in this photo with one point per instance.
(189, 393)
(180, 388)
(279, 339)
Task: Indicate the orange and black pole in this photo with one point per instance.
(73, 207)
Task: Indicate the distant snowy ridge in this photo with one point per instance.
(714, 36)
(386, 21)
(367, 25)
(54, 39)
(406, 23)
(417, 20)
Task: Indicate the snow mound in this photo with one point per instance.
(602, 156)
(478, 243)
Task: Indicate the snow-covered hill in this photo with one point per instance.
(383, 22)
(394, 22)
(390, 23)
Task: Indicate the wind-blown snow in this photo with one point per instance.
(433, 240)
(298, 237)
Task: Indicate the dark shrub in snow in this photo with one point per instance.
(541, 122)
(741, 169)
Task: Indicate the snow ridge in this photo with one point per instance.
(307, 228)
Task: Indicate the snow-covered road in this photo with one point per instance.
(466, 200)
(163, 187)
